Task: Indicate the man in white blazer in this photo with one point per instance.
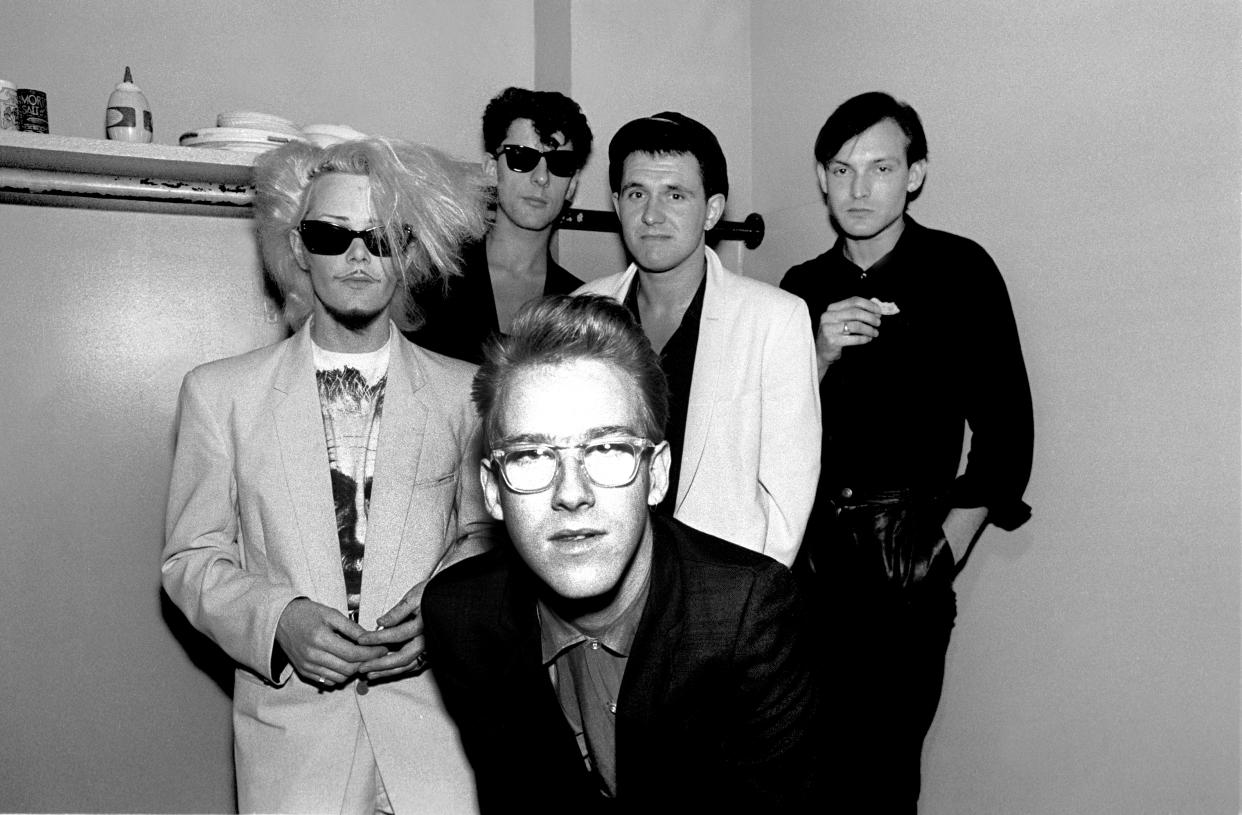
(319, 482)
(744, 401)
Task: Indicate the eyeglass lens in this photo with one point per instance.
(323, 238)
(607, 464)
(522, 159)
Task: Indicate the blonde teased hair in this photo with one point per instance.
(442, 201)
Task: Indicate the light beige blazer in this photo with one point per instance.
(251, 525)
(751, 459)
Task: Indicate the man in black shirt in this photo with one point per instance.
(535, 144)
(915, 340)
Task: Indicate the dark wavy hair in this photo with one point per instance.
(548, 111)
(565, 328)
(442, 201)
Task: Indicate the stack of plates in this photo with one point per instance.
(324, 135)
(244, 132)
(246, 120)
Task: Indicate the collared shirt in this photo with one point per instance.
(895, 409)
(587, 671)
(677, 359)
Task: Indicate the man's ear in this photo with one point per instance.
(715, 211)
(572, 189)
(489, 168)
(918, 172)
(616, 203)
(657, 487)
(491, 491)
(821, 172)
(299, 250)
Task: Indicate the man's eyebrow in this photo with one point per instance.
(544, 438)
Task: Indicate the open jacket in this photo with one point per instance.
(751, 460)
(251, 526)
(717, 710)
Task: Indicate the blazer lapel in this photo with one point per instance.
(645, 685)
(304, 455)
(710, 365)
(402, 428)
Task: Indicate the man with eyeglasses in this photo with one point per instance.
(534, 145)
(611, 655)
(744, 422)
(319, 482)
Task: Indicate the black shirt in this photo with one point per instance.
(895, 410)
(459, 319)
(677, 360)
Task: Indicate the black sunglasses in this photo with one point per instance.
(522, 159)
(323, 238)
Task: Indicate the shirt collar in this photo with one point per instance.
(558, 635)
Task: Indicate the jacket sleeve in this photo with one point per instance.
(790, 431)
(472, 529)
(203, 567)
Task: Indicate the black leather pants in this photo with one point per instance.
(879, 573)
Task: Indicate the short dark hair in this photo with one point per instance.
(565, 328)
(670, 133)
(549, 112)
(864, 111)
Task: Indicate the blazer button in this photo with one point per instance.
(847, 493)
(362, 688)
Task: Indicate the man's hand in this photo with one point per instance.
(400, 632)
(322, 643)
(855, 321)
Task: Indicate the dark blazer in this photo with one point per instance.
(717, 709)
(460, 314)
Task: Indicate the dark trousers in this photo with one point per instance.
(879, 575)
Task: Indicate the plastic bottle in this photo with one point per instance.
(129, 116)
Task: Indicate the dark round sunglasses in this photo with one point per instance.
(323, 238)
(522, 159)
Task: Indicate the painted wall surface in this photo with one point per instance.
(1093, 149)
(638, 57)
(419, 70)
(110, 704)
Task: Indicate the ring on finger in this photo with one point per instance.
(845, 328)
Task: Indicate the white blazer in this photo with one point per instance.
(251, 526)
(751, 460)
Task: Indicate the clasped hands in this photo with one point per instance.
(327, 648)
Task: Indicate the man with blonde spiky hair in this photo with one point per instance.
(319, 482)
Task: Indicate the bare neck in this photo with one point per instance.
(866, 252)
(516, 251)
(331, 334)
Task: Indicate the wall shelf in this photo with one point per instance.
(46, 170)
(67, 171)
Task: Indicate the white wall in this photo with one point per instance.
(634, 58)
(1093, 149)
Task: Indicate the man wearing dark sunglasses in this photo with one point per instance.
(745, 418)
(319, 482)
(534, 145)
(612, 655)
